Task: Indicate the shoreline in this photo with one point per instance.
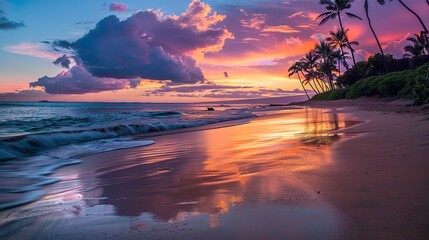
(386, 105)
(371, 183)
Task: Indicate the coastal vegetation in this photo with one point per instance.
(411, 84)
(327, 71)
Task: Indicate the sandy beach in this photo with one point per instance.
(328, 171)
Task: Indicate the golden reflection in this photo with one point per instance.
(271, 148)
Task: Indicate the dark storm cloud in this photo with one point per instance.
(63, 61)
(7, 24)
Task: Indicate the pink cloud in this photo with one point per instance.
(199, 15)
(305, 14)
(280, 29)
(33, 49)
(293, 41)
(252, 20)
(118, 7)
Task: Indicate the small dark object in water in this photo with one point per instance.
(210, 109)
(43, 101)
(277, 105)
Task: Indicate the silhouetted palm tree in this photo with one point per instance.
(413, 50)
(311, 69)
(338, 39)
(415, 14)
(335, 8)
(328, 54)
(296, 68)
(341, 59)
(417, 47)
(366, 6)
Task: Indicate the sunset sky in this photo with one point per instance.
(174, 50)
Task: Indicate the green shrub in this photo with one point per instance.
(413, 84)
(335, 94)
(351, 76)
(373, 67)
(391, 84)
(420, 90)
(365, 87)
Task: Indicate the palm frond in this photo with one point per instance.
(329, 17)
(356, 43)
(351, 15)
(323, 15)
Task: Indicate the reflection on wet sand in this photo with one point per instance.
(236, 182)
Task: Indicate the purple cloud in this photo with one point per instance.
(118, 7)
(150, 47)
(146, 45)
(260, 93)
(79, 81)
(191, 90)
(28, 94)
(221, 91)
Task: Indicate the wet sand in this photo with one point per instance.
(309, 173)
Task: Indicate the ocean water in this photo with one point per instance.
(265, 179)
(36, 138)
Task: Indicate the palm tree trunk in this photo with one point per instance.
(299, 77)
(383, 58)
(347, 39)
(314, 88)
(415, 14)
(321, 87)
(331, 80)
(344, 60)
(339, 66)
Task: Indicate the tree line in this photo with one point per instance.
(322, 65)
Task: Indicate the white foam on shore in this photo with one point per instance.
(22, 180)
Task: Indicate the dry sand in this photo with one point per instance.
(380, 179)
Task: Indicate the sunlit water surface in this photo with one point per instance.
(240, 182)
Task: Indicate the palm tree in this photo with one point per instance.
(413, 50)
(339, 58)
(383, 58)
(328, 55)
(338, 39)
(417, 47)
(422, 40)
(310, 67)
(335, 8)
(415, 14)
(295, 69)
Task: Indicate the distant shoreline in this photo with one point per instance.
(400, 106)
